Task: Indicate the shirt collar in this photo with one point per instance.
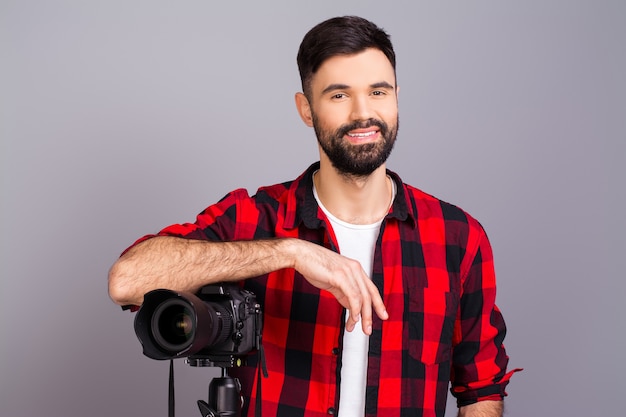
(303, 208)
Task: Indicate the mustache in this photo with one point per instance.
(362, 124)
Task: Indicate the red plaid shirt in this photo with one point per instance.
(433, 264)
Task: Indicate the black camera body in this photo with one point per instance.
(217, 326)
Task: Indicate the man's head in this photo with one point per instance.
(347, 65)
(347, 35)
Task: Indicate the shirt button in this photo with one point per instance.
(331, 411)
(335, 352)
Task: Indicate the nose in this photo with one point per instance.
(361, 109)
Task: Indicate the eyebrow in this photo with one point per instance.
(334, 87)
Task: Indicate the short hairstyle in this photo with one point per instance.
(345, 35)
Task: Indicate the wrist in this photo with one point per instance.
(290, 248)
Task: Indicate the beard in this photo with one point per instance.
(356, 160)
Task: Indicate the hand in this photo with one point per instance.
(345, 279)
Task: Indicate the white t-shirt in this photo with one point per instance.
(357, 242)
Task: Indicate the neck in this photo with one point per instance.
(354, 199)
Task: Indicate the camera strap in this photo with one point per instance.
(171, 400)
(262, 372)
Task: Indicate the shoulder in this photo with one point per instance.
(263, 194)
(427, 205)
(274, 192)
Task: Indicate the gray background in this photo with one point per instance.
(120, 117)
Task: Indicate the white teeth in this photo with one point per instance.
(362, 135)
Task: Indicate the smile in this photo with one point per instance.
(363, 135)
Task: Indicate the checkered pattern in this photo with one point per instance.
(433, 265)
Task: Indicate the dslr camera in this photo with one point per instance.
(217, 326)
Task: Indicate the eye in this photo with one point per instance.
(379, 93)
(338, 96)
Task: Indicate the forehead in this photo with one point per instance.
(359, 70)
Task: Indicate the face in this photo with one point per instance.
(353, 108)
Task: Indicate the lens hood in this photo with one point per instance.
(155, 321)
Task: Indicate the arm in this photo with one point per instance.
(482, 409)
(479, 363)
(186, 265)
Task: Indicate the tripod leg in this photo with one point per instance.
(205, 410)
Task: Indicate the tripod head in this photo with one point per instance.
(225, 398)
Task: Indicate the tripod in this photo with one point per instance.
(225, 398)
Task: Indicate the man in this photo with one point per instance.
(375, 295)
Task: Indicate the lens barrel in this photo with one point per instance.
(177, 324)
(172, 325)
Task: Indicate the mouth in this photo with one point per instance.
(358, 136)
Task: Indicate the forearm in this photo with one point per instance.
(186, 265)
(482, 409)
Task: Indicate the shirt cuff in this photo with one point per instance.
(494, 392)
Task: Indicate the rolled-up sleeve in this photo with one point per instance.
(479, 362)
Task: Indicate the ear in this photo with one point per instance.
(304, 109)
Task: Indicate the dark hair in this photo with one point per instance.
(345, 35)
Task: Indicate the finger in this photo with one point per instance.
(377, 302)
(354, 311)
(366, 304)
(366, 314)
(350, 303)
(351, 323)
